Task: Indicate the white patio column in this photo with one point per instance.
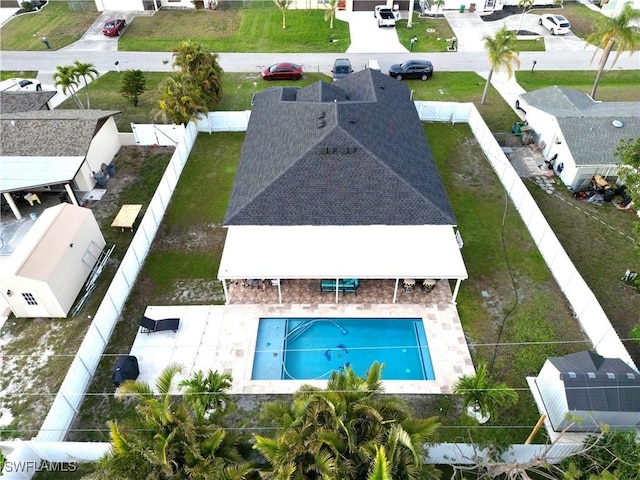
(12, 204)
(226, 291)
(279, 291)
(337, 288)
(455, 290)
(395, 291)
(70, 194)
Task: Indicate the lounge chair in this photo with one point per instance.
(149, 325)
(346, 285)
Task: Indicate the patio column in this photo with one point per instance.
(226, 291)
(279, 291)
(337, 288)
(12, 204)
(395, 291)
(455, 290)
(70, 194)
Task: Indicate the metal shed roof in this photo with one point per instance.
(22, 173)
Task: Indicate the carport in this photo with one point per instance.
(35, 173)
(336, 252)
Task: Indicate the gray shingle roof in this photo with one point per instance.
(11, 102)
(50, 132)
(596, 383)
(587, 125)
(349, 153)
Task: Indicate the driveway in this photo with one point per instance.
(94, 40)
(367, 37)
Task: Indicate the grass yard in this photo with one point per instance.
(614, 86)
(246, 30)
(55, 21)
(5, 74)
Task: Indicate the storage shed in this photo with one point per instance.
(48, 269)
(598, 390)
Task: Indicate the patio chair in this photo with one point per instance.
(149, 325)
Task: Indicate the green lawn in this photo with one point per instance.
(54, 21)
(247, 30)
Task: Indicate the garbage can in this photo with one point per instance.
(472, 7)
(100, 180)
(111, 170)
(462, 7)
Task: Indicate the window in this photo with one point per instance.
(29, 298)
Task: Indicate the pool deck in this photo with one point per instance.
(223, 338)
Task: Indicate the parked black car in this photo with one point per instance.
(422, 69)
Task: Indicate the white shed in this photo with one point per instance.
(595, 389)
(52, 263)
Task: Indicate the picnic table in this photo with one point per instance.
(126, 217)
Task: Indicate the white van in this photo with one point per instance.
(20, 85)
(372, 64)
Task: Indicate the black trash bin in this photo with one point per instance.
(126, 369)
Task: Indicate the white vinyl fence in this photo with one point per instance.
(589, 313)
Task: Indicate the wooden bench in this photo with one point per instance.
(149, 325)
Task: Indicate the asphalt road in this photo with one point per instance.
(322, 62)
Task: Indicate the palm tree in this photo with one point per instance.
(330, 13)
(65, 77)
(619, 31)
(282, 6)
(481, 397)
(166, 439)
(208, 395)
(181, 100)
(526, 5)
(85, 70)
(502, 52)
(439, 4)
(334, 433)
(204, 68)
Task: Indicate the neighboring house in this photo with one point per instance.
(12, 102)
(54, 149)
(596, 390)
(338, 181)
(578, 134)
(52, 262)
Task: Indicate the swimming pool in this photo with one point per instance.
(311, 348)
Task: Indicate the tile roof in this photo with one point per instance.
(587, 125)
(11, 102)
(596, 383)
(349, 153)
(50, 132)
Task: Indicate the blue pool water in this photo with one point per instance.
(311, 348)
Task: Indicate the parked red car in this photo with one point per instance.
(282, 71)
(113, 27)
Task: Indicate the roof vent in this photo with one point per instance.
(611, 376)
(321, 123)
(326, 150)
(617, 123)
(352, 121)
(572, 374)
(348, 150)
(322, 115)
(631, 376)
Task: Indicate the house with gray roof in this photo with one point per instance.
(335, 181)
(23, 101)
(578, 134)
(593, 389)
(41, 149)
